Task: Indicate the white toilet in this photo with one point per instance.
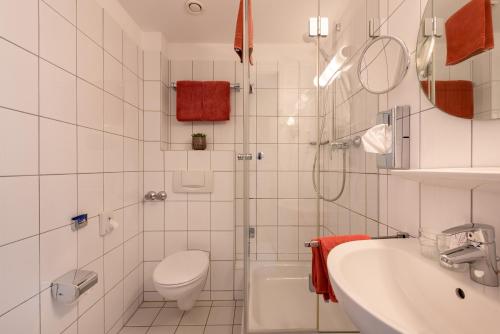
(181, 277)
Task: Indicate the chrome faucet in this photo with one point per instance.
(479, 252)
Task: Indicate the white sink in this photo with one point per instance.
(386, 287)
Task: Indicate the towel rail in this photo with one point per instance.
(399, 235)
(235, 86)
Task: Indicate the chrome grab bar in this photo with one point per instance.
(399, 235)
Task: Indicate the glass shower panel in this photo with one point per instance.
(283, 208)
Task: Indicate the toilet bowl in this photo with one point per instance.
(181, 277)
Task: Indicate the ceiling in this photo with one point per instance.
(275, 21)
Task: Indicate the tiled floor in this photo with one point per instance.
(206, 317)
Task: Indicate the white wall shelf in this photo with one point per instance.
(468, 178)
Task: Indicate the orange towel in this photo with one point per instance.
(456, 97)
(238, 36)
(320, 278)
(203, 101)
(469, 31)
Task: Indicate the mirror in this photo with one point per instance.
(383, 64)
(457, 64)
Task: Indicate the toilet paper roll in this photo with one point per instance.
(378, 139)
(113, 224)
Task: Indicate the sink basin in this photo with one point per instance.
(387, 286)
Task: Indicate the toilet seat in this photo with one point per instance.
(181, 268)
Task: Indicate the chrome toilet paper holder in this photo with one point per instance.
(68, 287)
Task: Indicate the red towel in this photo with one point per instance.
(189, 100)
(238, 36)
(469, 31)
(203, 101)
(456, 97)
(320, 278)
(216, 105)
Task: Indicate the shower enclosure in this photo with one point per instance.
(295, 168)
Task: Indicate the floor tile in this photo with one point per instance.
(203, 303)
(168, 317)
(134, 330)
(196, 316)
(152, 304)
(170, 304)
(218, 330)
(221, 316)
(237, 329)
(143, 317)
(162, 330)
(190, 330)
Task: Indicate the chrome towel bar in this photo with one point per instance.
(399, 235)
(235, 86)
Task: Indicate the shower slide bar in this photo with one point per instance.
(235, 86)
(399, 235)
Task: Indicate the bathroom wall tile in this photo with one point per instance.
(131, 87)
(58, 254)
(113, 114)
(131, 255)
(151, 126)
(90, 60)
(20, 23)
(199, 160)
(287, 239)
(130, 221)
(175, 160)
(181, 70)
(267, 102)
(57, 93)
(57, 39)
(19, 80)
(224, 70)
(152, 95)
(113, 307)
(19, 217)
(267, 239)
(131, 188)
(115, 237)
(199, 216)
(57, 147)
(56, 317)
(20, 157)
(152, 65)
(113, 76)
(90, 150)
(199, 240)
(93, 320)
(222, 217)
(90, 193)
(19, 280)
(112, 37)
(438, 134)
(58, 196)
(222, 245)
(153, 157)
(131, 154)
(175, 241)
(153, 246)
(23, 319)
(113, 153)
(267, 75)
(89, 105)
(90, 243)
(176, 216)
(221, 275)
(223, 186)
(288, 74)
(484, 134)
(130, 54)
(113, 268)
(113, 191)
(90, 19)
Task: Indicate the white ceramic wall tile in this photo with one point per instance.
(23, 319)
(89, 105)
(152, 95)
(19, 281)
(58, 201)
(113, 76)
(90, 193)
(112, 37)
(19, 80)
(93, 320)
(113, 153)
(58, 254)
(66, 8)
(113, 268)
(20, 23)
(153, 246)
(20, 157)
(90, 60)
(90, 243)
(113, 191)
(57, 39)
(152, 65)
(90, 150)
(113, 307)
(199, 216)
(56, 317)
(57, 147)
(90, 20)
(176, 216)
(130, 54)
(57, 93)
(131, 87)
(130, 121)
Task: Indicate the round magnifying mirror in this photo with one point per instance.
(383, 64)
(456, 60)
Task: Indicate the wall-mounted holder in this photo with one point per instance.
(398, 118)
(79, 221)
(374, 27)
(107, 223)
(153, 196)
(70, 286)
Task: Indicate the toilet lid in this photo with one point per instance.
(181, 267)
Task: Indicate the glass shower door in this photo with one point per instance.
(280, 209)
